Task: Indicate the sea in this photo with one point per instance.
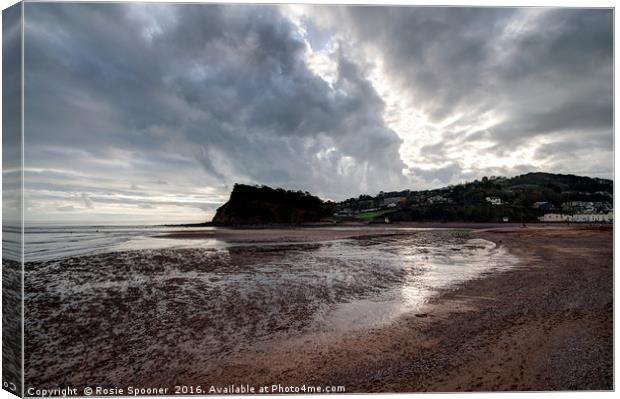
(47, 241)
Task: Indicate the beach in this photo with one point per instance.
(546, 325)
(371, 309)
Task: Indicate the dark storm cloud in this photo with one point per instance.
(225, 86)
(439, 54)
(569, 56)
(464, 57)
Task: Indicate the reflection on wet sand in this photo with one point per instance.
(168, 314)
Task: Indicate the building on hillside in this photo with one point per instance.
(437, 199)
(602, 207)
(554, 217)
(578, 207)
(578, 218)
(393, 201)
(593, 218)
(543, 206)
(494, 200)
(344, 213)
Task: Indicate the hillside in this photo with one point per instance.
(521, 198)
(491, 199)
(260, 205)
(562, 182)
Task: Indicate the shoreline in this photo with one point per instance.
(332, 232)
(351, 223)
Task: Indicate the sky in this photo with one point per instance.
(146, 112)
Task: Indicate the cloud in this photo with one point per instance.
(222, 94)
(475, 85)
(88, 203)
(439, 174)
(180, 101)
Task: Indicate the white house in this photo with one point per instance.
(554, 217)
(593, 217)
(494, 200)
(578, 218)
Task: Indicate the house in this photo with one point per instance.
(602, 207)
(344, 213)
(494, 200)
(578, 218)
(393, 201)
(593, 218)
(578, 207)
(543, 205)
(437, 199)
(554, 217)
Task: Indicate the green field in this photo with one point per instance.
(373, 214)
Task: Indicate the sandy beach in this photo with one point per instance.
(253, 315)
(546, 325)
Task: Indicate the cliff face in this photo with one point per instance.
(251, 205)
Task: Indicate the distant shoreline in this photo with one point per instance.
(430, 224)
(290, 233)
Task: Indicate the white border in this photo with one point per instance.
(475, 3)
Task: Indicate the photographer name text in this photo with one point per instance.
(232, 389)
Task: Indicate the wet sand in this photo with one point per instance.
(546, 325)
(259, 235)
(334, 232)
(11, 325)
(148, 318)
